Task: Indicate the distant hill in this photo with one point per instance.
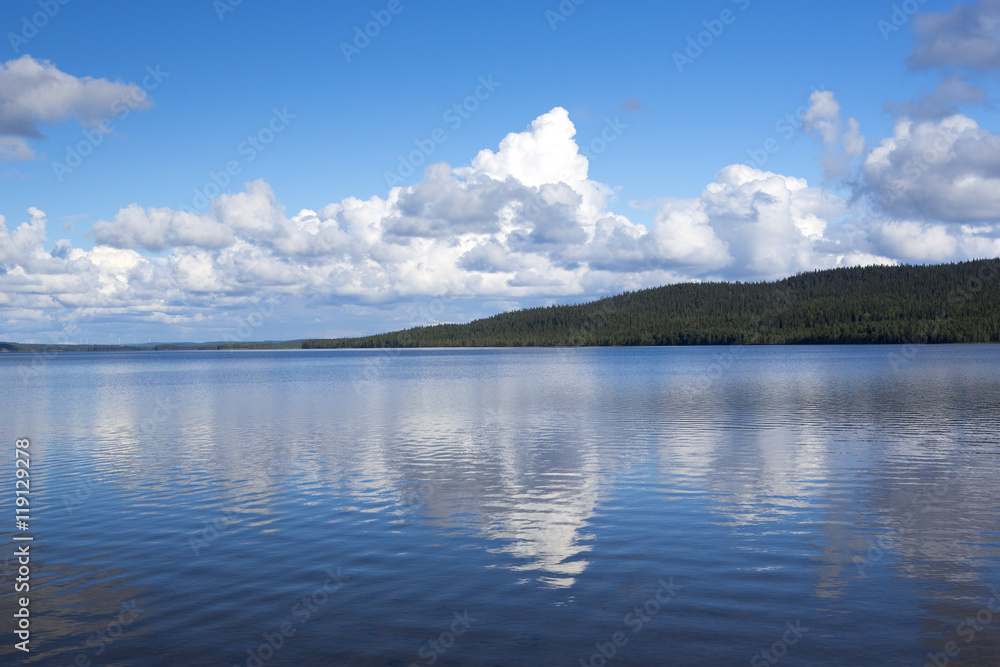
(948, 303)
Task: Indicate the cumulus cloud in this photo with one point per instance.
(39, 284)
(519, 223)
(946, 170)
(842, 141)
(483, 231)
(751, 224)
(928, 193)
(34, 92)
(918, 241)
(939, 169)
(967, 36)
(544, 154)
(161, 228)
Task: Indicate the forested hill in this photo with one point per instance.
(949, 303)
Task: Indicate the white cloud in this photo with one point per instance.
(34, 92)
(64, 284)
(550, 136)
(161, 228)
(682, 235)
(947, 170)
(544, 154)
(522, 224)
(928, 242)
(841, 146)
(768, 224)
(916, 241)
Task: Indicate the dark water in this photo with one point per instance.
(669, 506)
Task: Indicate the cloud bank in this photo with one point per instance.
(521, 224)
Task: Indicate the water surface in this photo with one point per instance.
(830, 505)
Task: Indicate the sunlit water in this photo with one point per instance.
(664, 506)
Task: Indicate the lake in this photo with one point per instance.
(633, 506)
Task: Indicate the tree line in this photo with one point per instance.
(947, 303)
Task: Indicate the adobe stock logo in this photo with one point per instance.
(121, 107)
(635, 620)
(455, 116)
(779, 649)
(31, 25)
(363, 35)
(698, 44)
(566, 9)
(900, 16)
(247, 151)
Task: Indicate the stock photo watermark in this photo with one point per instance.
(204, 536)
(610, 133)
(223, 7)
(94, 136)
(788, 128)
(565, 9)
(247, 151)
(454, 116)
(958, 297)
(703, 40)
(634, 621)
(899, 17)
(424, 314)
(22, 552)
(913, 169)
(364, 34)
(432, 649)
(966, 631)
(103, 638)
(754, 332)
(210, 531)
(299, 615)
(81, 493)
(163, 411)
(247, 325)
(63, 337)
(779, 649)
(880, 544)
(32, 23)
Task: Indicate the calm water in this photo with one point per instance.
(671, 506)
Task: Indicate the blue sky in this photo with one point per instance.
(125, 244)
